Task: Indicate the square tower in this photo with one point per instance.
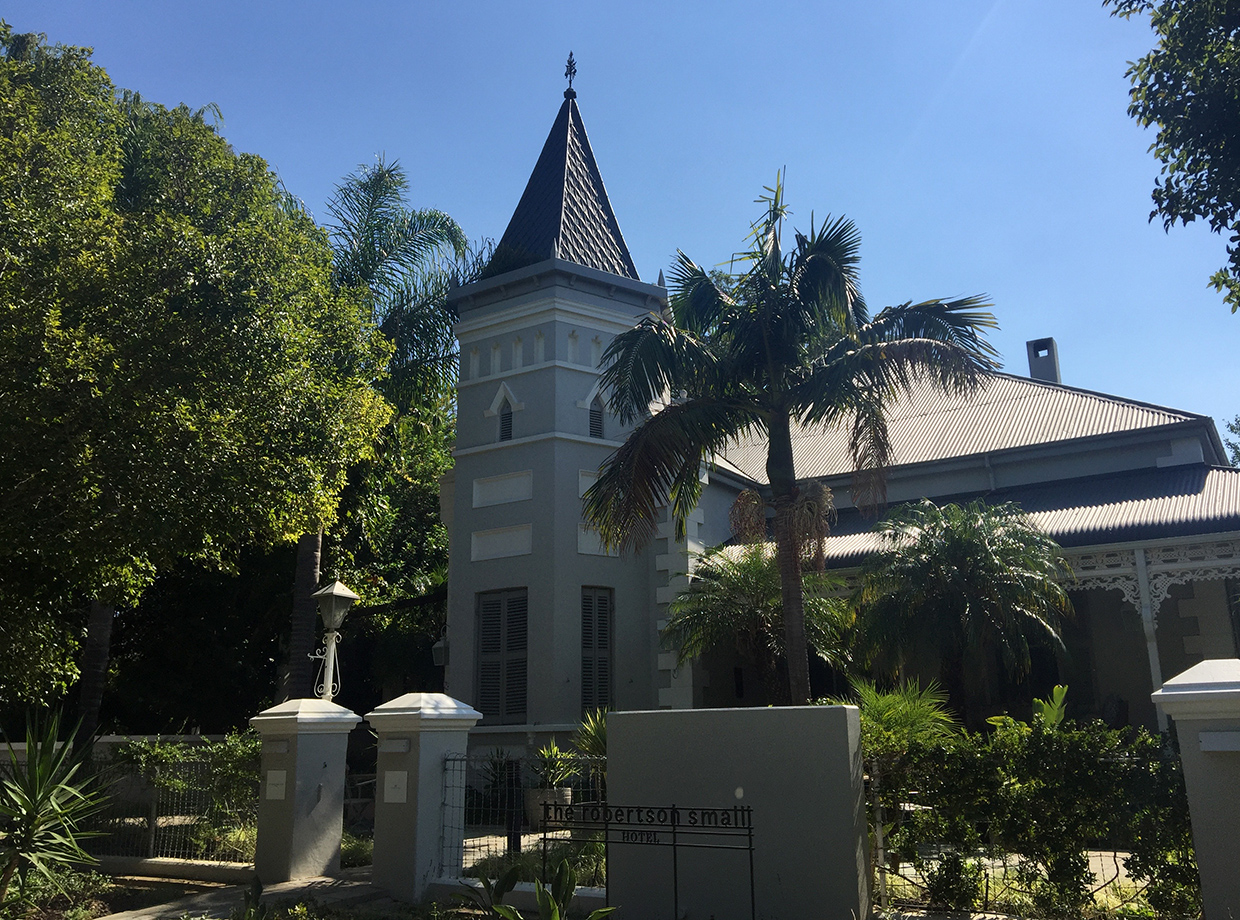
(543, 623)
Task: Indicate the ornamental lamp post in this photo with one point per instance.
(334, 602)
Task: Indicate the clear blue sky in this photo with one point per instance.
(980, 145)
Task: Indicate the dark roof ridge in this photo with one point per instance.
(1098, 394)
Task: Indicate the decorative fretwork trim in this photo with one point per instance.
(1171, 564)
(1160, 584)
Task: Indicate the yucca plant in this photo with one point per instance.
(590, 741)
(554, 899)
(553, 766)
(43, 803)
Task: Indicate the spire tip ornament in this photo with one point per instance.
(570, 71)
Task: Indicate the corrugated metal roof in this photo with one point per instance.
(564, 212)
(927, 425)
(1116, 508)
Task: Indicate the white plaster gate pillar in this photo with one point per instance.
(1205, 703)
(301, 802)
(416, 731)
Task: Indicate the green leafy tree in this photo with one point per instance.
(733, 601)
(1188, 87)
(786, 340)
(971, 582)
(180, 374)
(1233, 447)
(390, 544)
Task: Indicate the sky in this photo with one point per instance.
(981, 146)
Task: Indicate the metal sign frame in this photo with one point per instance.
(673, 826)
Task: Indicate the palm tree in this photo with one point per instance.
(968, 580)
(733, 600)
(788, 340)
(399, 259)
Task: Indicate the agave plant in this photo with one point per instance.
(590, 741)
(43, 802)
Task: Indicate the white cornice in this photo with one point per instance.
(535, 439)
(545, 309)
(502, 375)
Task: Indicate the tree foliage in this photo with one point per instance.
(1188, 87)
(787, 339)
(402, 261)
(733, 602)
(970, 582)
(178, 376)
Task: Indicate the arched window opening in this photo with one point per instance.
(505, 421)
(596, 418)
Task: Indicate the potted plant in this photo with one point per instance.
(554, 768)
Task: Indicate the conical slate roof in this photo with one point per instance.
(564, 212)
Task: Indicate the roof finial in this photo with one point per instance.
(570, 71)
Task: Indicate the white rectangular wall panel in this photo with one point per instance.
(396, 786)
(500, 490)
(501, 542)
(276, 781)
(585, 479)
(589, 543)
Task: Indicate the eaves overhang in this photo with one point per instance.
(553, 272)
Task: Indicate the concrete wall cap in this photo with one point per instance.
(1208, 690)
(300, 717)
(433, 712)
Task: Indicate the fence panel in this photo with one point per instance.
(498, 824)
(176, 811)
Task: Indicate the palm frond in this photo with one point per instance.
(824, 277)
(654, 361)
(976, 576)
(733, 600)
(660, 462)
(376, 238)
(696, 301)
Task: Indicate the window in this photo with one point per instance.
(505, 421)
(596, 418)
(502, 626)
(596, 607)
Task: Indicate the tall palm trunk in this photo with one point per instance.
(300, 676)
(95, 654)
(782, 475)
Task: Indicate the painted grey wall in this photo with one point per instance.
(301, 803)
(800, 770)
(1204, 701)
(576, 312)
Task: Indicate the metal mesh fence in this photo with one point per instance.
(178, 811)
(493, 809)
(995, 879)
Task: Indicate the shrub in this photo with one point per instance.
(356, 851)
(43, 802)
(1045, 793)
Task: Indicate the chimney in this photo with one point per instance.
(1043, 360)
